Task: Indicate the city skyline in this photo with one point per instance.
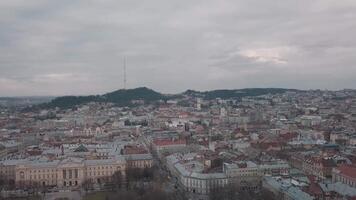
(77, 47)
(177, 100)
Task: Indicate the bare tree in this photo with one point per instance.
(87, 185)
(117, 179)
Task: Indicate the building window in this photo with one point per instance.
(22, 175)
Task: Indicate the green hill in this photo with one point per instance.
(125, 97)
(238, 93)
(119, 97)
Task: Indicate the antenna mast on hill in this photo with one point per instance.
(124, 73)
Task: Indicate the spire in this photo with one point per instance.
(124, 73)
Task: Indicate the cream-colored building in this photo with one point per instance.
(190, 174)
(70, 172)
(8, 169)
(139, 160)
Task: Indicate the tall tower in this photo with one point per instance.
(211, 143)
(198, 103)
(124, 73)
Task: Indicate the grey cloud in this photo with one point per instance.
(77, 47)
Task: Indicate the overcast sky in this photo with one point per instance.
(60, 47)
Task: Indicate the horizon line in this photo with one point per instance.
(63, 95)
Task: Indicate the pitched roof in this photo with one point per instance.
(348, 170)
(166, 142)
(81, 148)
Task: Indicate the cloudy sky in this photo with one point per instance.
(59, 47)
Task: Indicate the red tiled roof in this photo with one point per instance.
(314, 189)
(288, 136)
(348, 170)
(166, 142)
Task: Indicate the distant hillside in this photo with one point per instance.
(125, 97)
(119, 97)
(238, 93)
(24, 101)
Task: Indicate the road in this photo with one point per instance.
(171, 184)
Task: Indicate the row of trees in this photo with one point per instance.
(133, 177)
(6, 184)
(233, 192)
(137, 184)
(130, 179)
(151, 192)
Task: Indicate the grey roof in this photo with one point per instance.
(297, 194)
(81, 148)
(14, 162)
(209, 175)
(183, 171)
(291, 191)
(338, 187)
(105, 161)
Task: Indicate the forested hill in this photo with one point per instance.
(125, 97)
(120, 97)
(237, 93)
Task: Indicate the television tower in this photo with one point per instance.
(124, 73)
